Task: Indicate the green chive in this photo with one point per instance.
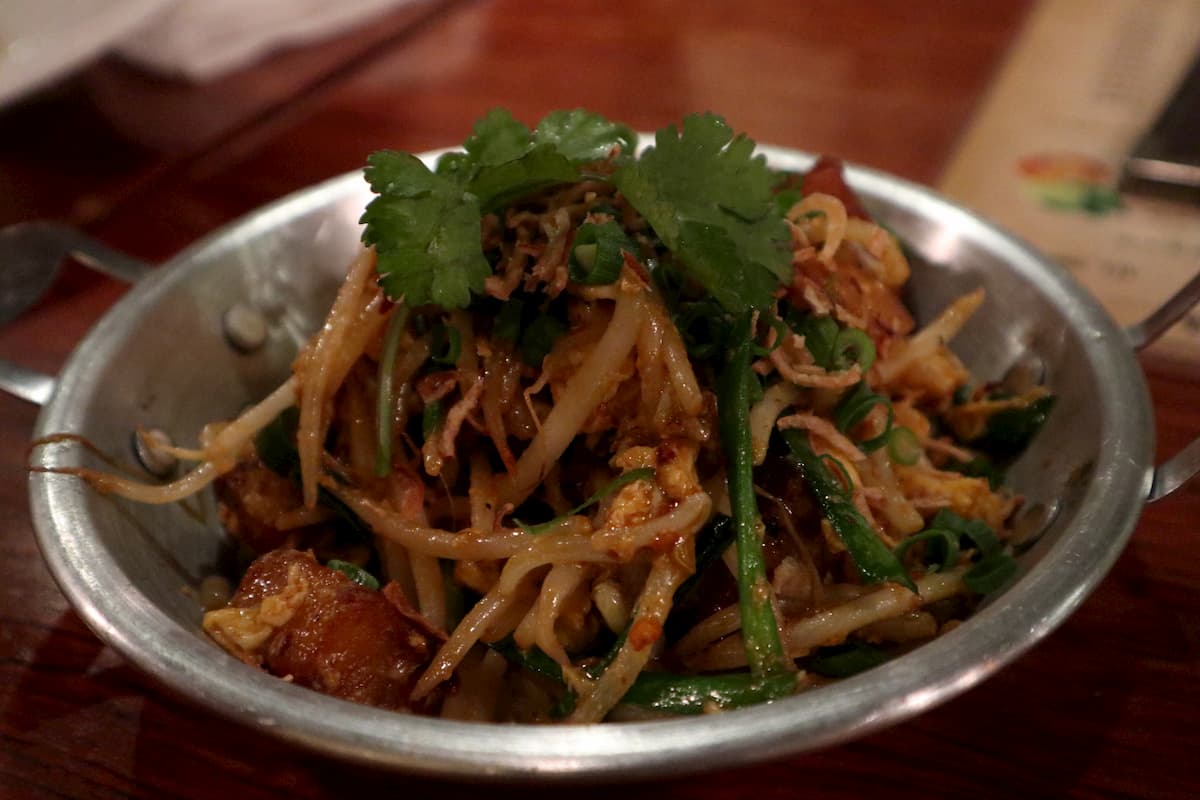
(760, 632)
(844, 660)
(698, 694)
(445, 345)
(385, 400)
(641, 473)
(431, 418)
(354, 573)
(872, 557)
(980, 467)
(275, 444)
(977, 531)
(1010, 430)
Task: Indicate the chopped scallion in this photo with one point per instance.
(760, 631)
(853, 409)
(596, 258)
(844, 660)
(903, 447)
(852, 346)
(872, 557)
(992, 572)
(641, 473)
(354, 573)
(941, 548)
(698, 694)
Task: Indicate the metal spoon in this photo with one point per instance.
(31, 255)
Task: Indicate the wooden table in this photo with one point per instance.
(1106, 707)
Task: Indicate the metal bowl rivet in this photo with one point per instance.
(245, 327)
(150, 447)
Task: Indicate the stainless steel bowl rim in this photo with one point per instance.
(118, 612)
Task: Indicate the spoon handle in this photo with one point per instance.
(58, 241)
(27, 384)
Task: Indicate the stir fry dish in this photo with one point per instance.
(598, 434)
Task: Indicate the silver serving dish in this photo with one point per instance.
(159, 359)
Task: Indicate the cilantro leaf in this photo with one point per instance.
(497, 138)
(713, 258)
(506, 161)
(710, 201)
(425, 231)
(584, 136)
(498, 185)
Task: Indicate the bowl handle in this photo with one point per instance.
(1184, 465)
(49, 244)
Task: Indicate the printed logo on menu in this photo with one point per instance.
(1070, 182)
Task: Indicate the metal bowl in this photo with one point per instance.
(159, 359)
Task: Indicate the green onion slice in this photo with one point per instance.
(992, 572)
(903, 446)
(852, 346)
(941, 548)
(596, 257)
(853, 409)
(977, 531)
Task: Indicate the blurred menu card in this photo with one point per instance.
(1083, 82)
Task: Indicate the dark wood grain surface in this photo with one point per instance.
(1105, 707)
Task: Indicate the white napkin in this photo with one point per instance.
(203, 39)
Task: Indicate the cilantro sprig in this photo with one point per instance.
(425, 229)
(705, 194)
(425, 225)
(710, 200)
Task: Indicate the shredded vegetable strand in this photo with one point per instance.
(221, 451)
(315, 371)
(651, 612)
(474, 625)
(582, 394)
